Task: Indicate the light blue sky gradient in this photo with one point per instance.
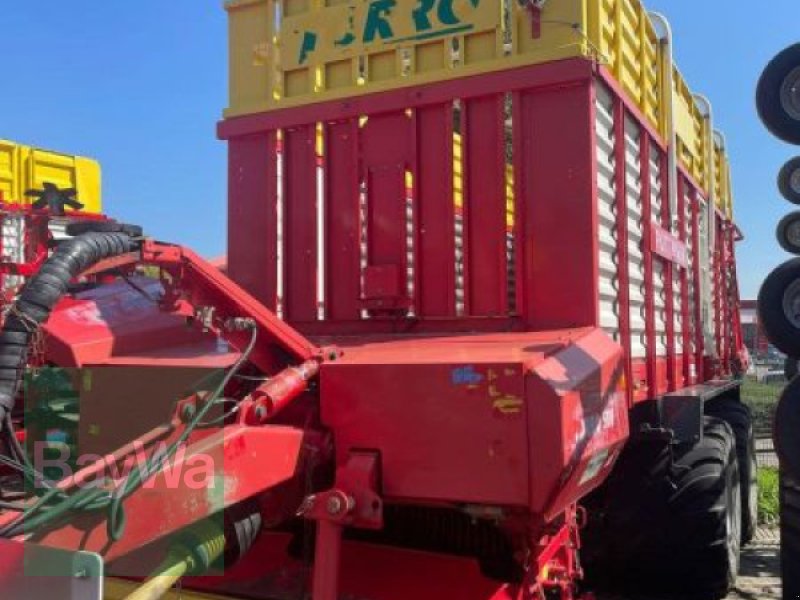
(140, 86)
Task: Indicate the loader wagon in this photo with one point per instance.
(478, 335)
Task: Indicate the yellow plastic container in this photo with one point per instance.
(23, 168)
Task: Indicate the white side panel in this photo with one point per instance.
(633, 194)
(680, 321)
(690, 250)
(13, 245)
(606, 168)
(707, 287)
(659, 272)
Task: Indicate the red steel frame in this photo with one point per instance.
(253, 441)
(555, 229)
(557, 281)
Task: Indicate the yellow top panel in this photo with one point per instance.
(286, 53)
(23, 168)
(293, 52)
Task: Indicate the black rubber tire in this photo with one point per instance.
(777, 327)
(785, 180)
(782, 232)
(740, 418)
(790, 367)
(768, 96)
(81, 227)
(786, 427)
(790, 536)
(669, 525)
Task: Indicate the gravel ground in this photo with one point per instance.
(759, 577)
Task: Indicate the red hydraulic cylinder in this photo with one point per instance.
(278, 392)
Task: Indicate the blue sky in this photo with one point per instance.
(140, 86)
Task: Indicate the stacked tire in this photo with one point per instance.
(790, 535)
(778, 102)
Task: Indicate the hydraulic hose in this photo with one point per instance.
(40, 295)
(199, 548)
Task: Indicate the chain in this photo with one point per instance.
(36, 352)
(36, 345)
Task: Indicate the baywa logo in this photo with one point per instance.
(178, 470)
(430, 19)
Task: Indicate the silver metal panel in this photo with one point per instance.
(633, 193)
(659, 272)
(607, 212)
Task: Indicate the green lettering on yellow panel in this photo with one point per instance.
(382, 21)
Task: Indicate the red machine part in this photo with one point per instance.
(353, 502)
(527, 420)
(540, 419)
(543, 276)
(122, 324)
(276, 394)
(495, 384)
(247, 461)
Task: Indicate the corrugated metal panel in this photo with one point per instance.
(678, 312)
(606, 168)
(13, 245)
(707, 286)
(690, 250)
(633, 193)
(659, 272)
(691, 130)
(626, 38)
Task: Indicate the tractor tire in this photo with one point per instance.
(779, 307)
(740, 418)
(669, 519)
(778, 95)
(789, 180)
(788, 232)
(790, 536)
(790, 368)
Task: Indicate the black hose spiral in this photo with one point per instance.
(40, 295)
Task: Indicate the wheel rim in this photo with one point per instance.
(790, 94)
(791, 304)
(791, 233)
(794, 181)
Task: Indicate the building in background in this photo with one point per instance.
(754, 338)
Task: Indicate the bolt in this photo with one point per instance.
(260, 413)
(335, 505)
